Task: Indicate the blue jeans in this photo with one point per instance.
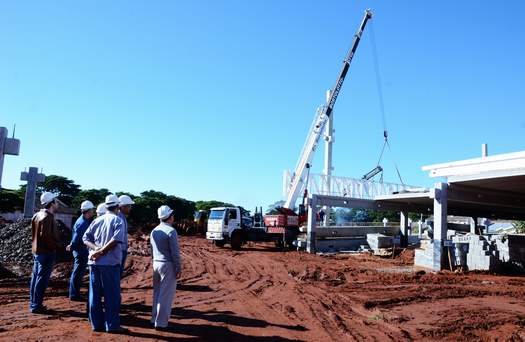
(124, 257)
(79, 269)
(42, 268)
(104, 281)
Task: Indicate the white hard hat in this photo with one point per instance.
(47, 197)
(125, 200)
(101, 209)
(86, 205)
(164, 212)
(111, 201)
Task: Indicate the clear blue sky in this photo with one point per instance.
(213, 99)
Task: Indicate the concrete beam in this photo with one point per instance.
(357, 231)
(467, 194)
(350, 202)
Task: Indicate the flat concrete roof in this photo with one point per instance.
(492, 187)
(507, 164)
(457, 205)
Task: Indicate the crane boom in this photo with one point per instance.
(298, 180)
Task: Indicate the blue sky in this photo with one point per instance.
(213, 99)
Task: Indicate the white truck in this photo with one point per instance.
(228, 225)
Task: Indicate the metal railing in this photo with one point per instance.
(349, 187)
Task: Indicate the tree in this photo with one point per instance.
(96, 196)
(182, 208)
(520, 226)
(11, 200)
(144, 212)
(65, 188)
(378, 216)
(207, 205)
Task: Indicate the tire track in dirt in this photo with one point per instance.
(262, 294)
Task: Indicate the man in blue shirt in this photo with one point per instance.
(104, 237)
(80, 251)
(125, 203)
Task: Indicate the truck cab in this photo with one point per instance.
(228, 225)
(222, 223)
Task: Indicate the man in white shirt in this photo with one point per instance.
(166, 267)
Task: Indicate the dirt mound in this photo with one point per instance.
(5, 273)
(15, 242)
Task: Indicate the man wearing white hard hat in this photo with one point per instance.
(125, 208)
(45, 243)
(101, 209)
(105, 237)
(166, 267)
(79, 250)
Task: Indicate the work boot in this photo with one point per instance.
(118, 331)
(42, 310)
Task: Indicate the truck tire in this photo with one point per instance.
(218, 243)
(236, 241)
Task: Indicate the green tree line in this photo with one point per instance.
(144, 211)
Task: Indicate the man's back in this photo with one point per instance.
(164, 244)
(104, 229)
(44, 233)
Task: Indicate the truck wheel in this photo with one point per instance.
(236, 241)
(218, 243)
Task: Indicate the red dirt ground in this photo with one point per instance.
(262, 294)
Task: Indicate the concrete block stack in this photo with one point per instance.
(377, 241)
(511, 249)
(482, 254)
(475, 253)
(424, 256)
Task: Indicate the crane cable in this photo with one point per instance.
(381, 102)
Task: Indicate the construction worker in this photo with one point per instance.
(166, 267)
(105, 238)
(125, 208)
(80, 251)
(45, 243)
(101, 209)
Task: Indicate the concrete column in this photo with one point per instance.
(440, 223)
(312, 224)
(473, 225)
(403, 223)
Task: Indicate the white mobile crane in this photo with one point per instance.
(225, 225)
(299, 178)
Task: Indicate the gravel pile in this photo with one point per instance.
(15, 243)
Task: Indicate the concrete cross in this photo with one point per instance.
(32, 178)
(7, 146)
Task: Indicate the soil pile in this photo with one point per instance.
(15, 243)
